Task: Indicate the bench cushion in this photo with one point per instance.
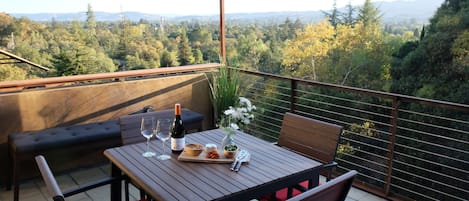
(63, 136)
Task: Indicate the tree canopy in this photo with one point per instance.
(437, 66)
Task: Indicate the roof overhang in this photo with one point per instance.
(13, 59)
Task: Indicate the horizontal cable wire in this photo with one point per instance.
(424, 187)
(434, 116)
(431, 162)
(263, 134)
(343, 99)
(268, 117)
(414, 192)
(345, 107)
(268, 123)
(433, 144)
(361, 174)
(427, 179)
(369, 137)
(336, 121)
(430, 171)
(344, 115)
(434, 126)
(267, 97)
(368, 161)
(364, 167)
(367, 145)
(372, 154)
(433, 135)
(369, 177)
(275, 93)
(433, 153)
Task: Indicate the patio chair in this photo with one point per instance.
(313, 138)
(53, 187)
(334, 190)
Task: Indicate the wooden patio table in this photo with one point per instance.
(270, 168)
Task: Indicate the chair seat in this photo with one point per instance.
(281, 195)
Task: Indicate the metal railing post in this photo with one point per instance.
(293, 94)
(392, 140)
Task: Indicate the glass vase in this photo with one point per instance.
(228, 139)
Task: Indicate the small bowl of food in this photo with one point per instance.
(211, 151)
(193, 149)
(230, 150)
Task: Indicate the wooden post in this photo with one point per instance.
(222, 32)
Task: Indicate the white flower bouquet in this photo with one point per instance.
(236, 118)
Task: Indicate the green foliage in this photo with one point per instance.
(185, 51)
(8, 72)
(6, 28)
(344, 149)
(358, 52)
(369, 15)
(437, 67)
(77, 59)
(169, 59)
(224, 90)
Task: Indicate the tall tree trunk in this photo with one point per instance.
(314, 69)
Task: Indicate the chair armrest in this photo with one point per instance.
(49, 178)
(329, 165)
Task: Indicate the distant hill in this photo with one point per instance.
(418, 10)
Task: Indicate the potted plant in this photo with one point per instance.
(224, 91)
(231, 112)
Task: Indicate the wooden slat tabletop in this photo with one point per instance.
(270, 168)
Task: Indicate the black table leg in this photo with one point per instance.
(314, 182)
(116, 188)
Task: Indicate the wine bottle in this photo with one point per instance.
(178, 140)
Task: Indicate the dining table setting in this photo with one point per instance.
(250, 169)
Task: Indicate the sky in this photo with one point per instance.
(180, 7)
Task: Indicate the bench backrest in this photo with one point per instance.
(130, 124)
(334, 190)
(314, 138)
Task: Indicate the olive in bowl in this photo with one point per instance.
(230, 150)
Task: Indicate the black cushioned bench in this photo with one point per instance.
(25, 146)
(100, 135)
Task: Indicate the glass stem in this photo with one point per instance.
(163, 147)
(148, 144)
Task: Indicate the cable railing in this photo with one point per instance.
(404, 147)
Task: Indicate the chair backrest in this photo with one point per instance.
(49, 179)
(314, 138)
(334, 190)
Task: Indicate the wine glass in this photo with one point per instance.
(163, 128)
(147, 127)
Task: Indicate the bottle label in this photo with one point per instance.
(177, 144)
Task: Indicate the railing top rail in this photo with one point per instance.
(101, 76)
(400, 97)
